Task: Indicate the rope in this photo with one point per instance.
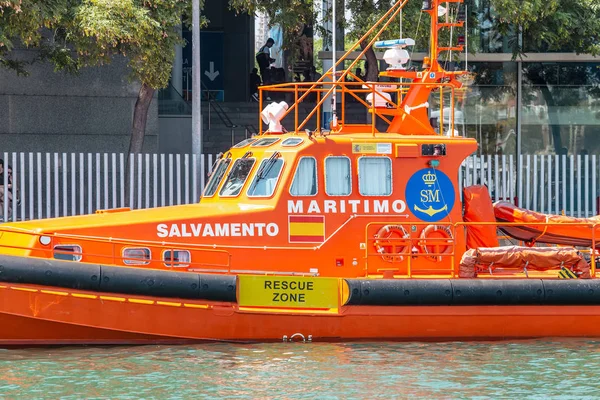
(416, 36)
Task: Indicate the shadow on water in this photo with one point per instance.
(533, 368)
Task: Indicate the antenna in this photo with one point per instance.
(466, 37)
(334, 77)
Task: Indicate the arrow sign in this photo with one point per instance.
(211, 74)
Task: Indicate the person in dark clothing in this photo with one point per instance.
(255, 82)
(264, 60)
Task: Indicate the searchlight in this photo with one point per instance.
(272, 115)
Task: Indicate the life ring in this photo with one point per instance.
(389, 243)
(442, 241)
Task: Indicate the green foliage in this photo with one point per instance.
(552, 25)
(23, 21)
(79, 33)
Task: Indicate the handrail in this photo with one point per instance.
(218, 109)
(223, 116)
(394, 10)
(455, 226)
(352, 88)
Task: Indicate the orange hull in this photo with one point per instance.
(33, 317)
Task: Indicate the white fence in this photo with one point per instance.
(549, 184)
(62, 184)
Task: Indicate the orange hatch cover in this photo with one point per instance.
(479, 208)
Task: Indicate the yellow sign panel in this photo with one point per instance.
(372, 148)
(288, 292)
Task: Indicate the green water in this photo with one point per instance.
(532, 369)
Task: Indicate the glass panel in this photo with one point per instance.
(305, 179)
(67, 252)
(265, 142)
(177, 258)
(237, 177)
(485, 33)
(561, 108)
(136, 256)
(266, 178)
(216, 177)
(486, 110)
(337, 176)
(375, 176)
(244, 143)
(289, 142)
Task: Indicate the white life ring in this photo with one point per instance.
(391, 241)
(438, 240)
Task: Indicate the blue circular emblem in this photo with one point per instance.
(430, 195)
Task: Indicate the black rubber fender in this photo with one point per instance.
(148, 282)
(497, 292)
(111, 279)
(396, 292)
(185, 285)
(40, 271)
(218, 287)
(572, 291)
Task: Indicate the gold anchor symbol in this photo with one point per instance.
(431, 211)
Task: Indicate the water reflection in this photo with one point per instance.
(295, 370)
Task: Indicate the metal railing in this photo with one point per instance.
(400, 259)
(215, 105)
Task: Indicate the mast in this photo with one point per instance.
(334, 77)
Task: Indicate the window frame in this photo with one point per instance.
(325, 176)
(316, 178)
(292, 145)
(228, 159)
(176, 264)
(132, 260)
(77, 255)
(276, 182)
(245, 181)
(247, 142)
(275, 140)
(391, 177)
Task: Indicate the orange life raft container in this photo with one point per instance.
(548, 228)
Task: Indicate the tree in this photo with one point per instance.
(23, 21)
(75, 34)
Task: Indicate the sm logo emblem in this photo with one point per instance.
(430, 195)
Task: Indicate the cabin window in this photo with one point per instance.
(305, 178)
(67, 252)
(265, 180)
(375, 176)
(338, 181)
(216, 177)
(244, 143)
(291, 142)
(265, 142)
(177, 258)
(237, 177)
(136, 256)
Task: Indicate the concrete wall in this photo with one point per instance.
(57, 112)
(175, 134)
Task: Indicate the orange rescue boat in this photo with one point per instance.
(349, 233)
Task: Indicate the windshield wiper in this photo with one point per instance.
(265, 169)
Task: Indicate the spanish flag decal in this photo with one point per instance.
(306, 229)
